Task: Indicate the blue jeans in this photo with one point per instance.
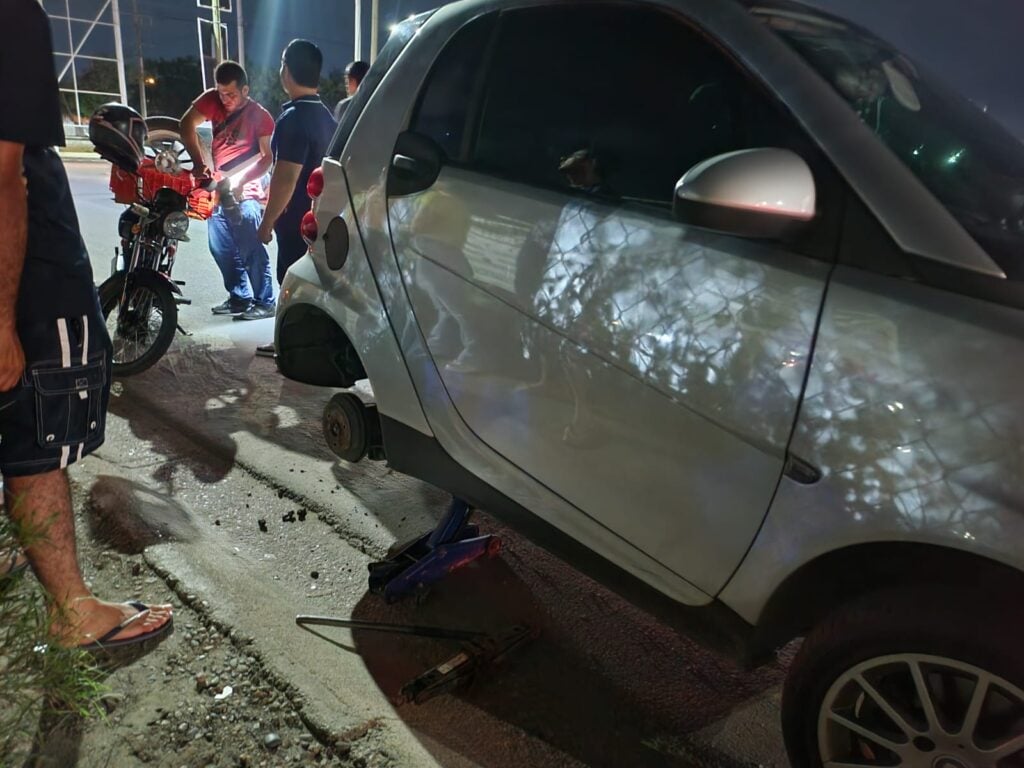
(243, 260)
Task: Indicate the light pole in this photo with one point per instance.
(218, 45)
(241, 33)
(138, 54)
(374, 25)
(358, 41)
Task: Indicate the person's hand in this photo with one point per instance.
(199, 171)
(265, 232)
(12, 359)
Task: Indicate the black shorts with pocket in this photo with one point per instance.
(57, 412)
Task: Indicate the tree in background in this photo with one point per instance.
(265, 87)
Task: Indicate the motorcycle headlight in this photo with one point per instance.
(176, 226)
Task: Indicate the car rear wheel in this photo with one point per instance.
(909, 678)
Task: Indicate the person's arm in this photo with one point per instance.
(260, 168)
(282, 186)
(190, 123)
(14, 214)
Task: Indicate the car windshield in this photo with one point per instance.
(965, 158)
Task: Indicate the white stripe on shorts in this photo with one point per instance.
(83, 395)
(65, 345)
(65, 454)
(85, 339)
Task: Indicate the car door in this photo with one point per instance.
(646, 371)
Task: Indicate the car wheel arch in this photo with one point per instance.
(842, 576)
(314, 349)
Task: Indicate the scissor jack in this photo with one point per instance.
(479, 651)
(414, 566)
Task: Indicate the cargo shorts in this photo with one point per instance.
(56, 413)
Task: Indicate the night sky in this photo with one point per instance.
(977, 51)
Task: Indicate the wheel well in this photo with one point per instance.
(313, 349)
(838, 577)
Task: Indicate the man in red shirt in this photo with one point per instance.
(241, 154)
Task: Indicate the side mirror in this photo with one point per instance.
(760, 193)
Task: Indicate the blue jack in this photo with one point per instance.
(413, 567)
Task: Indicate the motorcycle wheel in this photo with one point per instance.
(142, 327)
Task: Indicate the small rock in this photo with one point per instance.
(263, 525)
(288, 517)
(136, 569)
(342, 748)
(314, 575)
(271, 741)
(302, 515)
(201, 683)
(216, 522)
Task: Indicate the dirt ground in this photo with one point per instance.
(200, 699)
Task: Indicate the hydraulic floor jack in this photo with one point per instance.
(417, 564)
(411, 569)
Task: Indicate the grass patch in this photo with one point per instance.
(39, 683)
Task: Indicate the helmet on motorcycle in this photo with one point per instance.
(119, 134)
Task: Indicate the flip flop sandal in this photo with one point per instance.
(143, 642)
(10, 567)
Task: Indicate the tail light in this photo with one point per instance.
(308, 227)
(315, 185)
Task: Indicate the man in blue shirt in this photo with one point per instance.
(303, 131)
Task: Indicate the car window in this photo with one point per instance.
(617, 101)
(443, 111)
(397, 41)
(966, 159)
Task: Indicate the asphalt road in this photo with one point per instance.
(221, 438)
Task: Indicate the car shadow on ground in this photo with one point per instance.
(604, 683)
(214, 391)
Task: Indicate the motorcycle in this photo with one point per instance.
(140, 298)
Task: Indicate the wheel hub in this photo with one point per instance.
(920, 711)
(339, 435)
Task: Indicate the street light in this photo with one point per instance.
(150, 80)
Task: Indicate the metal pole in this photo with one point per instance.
(119, 52)
(358, 44)
(71, 63)
(138, 53)
(218, 45)
(374, 25)
(241, 35)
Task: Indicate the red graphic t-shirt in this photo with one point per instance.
(236, 137)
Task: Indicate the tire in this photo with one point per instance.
(344, 425)
(164, 138)
(953, 641)
(138, 344)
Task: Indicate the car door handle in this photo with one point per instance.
(405, 163)
(415, 164)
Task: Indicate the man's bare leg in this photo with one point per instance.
(41, 506)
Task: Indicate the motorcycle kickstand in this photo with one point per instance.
(183, 332)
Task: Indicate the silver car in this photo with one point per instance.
(722, 303)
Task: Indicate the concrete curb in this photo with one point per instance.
(80, 157)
